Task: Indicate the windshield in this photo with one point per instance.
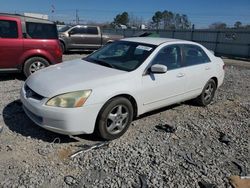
(122, 55)
(64, 28)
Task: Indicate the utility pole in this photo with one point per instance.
(52, 12)
(77, 17)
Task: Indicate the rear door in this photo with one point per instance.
(92, 37)
(11, 42)
(198, 69)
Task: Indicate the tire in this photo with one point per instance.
(207, 94)
(114, 118)
(34, 64)
(62, 45)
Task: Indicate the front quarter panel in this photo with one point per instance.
(123, 85)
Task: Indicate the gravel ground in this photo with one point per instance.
(200, 145)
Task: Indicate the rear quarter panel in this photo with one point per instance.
(49, 49)
(218, 66)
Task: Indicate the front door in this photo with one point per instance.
(75, 37)
(11, 43)
(168, 88)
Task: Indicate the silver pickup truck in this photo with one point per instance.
(84, 37)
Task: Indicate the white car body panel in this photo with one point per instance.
(159, 90)
(61, 80)
(150, 91)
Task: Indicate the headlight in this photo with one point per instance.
(69, 100)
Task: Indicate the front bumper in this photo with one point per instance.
(68, 121)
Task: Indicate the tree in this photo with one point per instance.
(157, 19)
(185, 23)
(218, 25)
(238, 25)
(122, 19)
(135, 21)
(167, 17)
(177, 21)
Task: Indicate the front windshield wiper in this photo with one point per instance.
(101, 62)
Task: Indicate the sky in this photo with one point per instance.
(200, 12)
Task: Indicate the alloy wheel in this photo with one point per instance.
(36, 66)
(208, 93)
(117, 119)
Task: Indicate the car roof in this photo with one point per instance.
(26, 18)
(152, 40)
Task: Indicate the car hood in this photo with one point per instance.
(71, 76)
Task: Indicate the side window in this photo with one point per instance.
(92, 31)
(194, 55)
(8, 29)
(41, 30)
(76, 30)
(82, 30)
(169, 56)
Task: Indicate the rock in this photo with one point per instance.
(224, 138)
(70, 180)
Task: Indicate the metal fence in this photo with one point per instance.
(232, 43)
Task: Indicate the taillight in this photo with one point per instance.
(58, 50)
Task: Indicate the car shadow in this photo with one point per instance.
(158, 111)
(17, 121)
(12, 76)
(171, 107)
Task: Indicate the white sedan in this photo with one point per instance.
(106, 90)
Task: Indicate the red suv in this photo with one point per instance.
(27, 44)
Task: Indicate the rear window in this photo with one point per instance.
(41, 31)
(8, 29)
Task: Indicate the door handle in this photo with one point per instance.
(180, 75)
(207, 68)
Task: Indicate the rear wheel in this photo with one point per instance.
(34, 64)
(207, 94)
(114, 118)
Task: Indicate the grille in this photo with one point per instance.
(29, 93)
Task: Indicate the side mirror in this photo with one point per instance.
(158, 69)
(70, 33)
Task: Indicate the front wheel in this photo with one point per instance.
(34, 64)
(114, 118)
(207, 94)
